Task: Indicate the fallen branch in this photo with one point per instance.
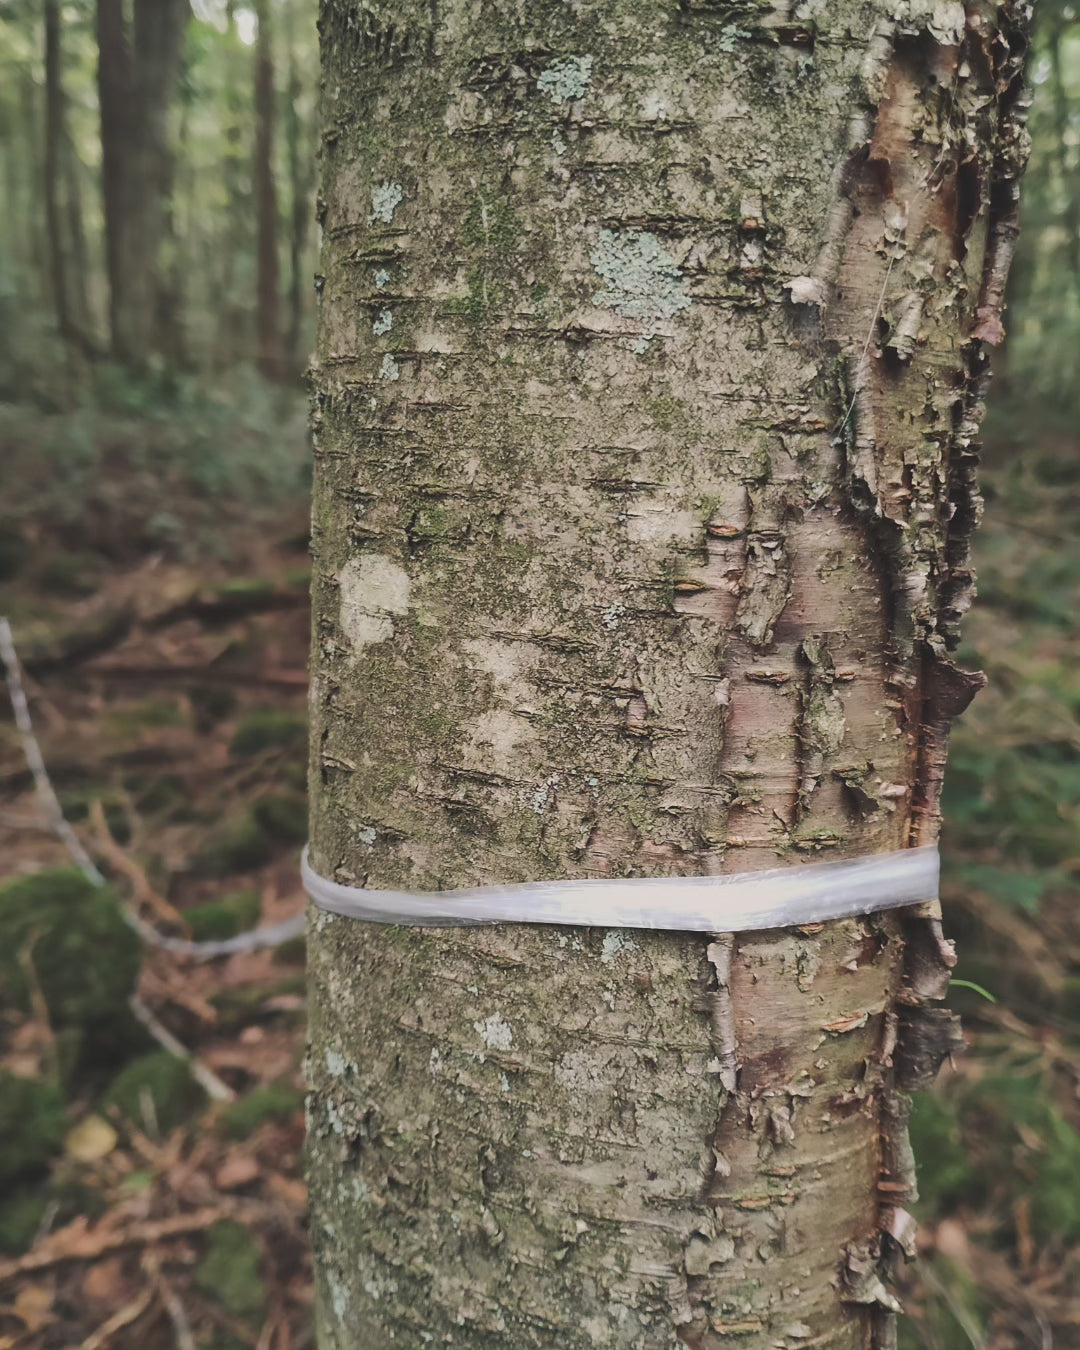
(79, 1242)
(123, 1317)
(170, 1300)
(207, 1079)
(115, 856)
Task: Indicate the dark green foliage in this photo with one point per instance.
(275, 821)
(963, 1136)
(229, 1271)
(84, 956)
(238, 1004)
(32, 1124)
(21, 1215)
(237, 846)
(223, 918)
(276, 1101)
(212, 703)
(163, 1079)
(269, 729)
(284, 817)
(14, 550)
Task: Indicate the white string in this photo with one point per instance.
(781, 897)
(36, 763)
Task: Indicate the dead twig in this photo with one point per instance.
(214, 1087)
(79, 1242)
(114, 855)
(123, 1317)
(170, 1301)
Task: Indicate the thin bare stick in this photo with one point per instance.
(206, 1077)
(123, 1317)
(170, 1300)
(79, 1242)
(114, 855)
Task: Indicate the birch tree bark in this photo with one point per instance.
(651, 355)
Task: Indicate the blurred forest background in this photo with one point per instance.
(157, 250)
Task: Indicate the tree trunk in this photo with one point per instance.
(80, 254)
(649, 372)
(267, 283)
(300, 182)
(137, 72)
(54, 144)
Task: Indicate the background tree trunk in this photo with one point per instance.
(138, 66)
(301, 161)
(54, 149)
(267, 318)
(648, 379)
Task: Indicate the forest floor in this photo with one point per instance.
(163, 633)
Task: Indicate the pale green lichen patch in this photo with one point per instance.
(642, 282)
(944, 19)
(496, 1033)
(385, 200)
(336, 1064)
(382, 279)
(615, 942)
(566, 80)
(384, 321)
(389, 370)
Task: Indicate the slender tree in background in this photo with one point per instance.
(650, 364)
(267, 283)
(301, 164)
(55, 137)
(138, 65)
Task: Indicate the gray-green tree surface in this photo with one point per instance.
(651, 356)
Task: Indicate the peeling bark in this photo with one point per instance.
(646, 408)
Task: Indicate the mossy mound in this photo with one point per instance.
(276, 1101)
(21, 1216)
(229, 1271)
(284, 816)
(238, 1005)
(269, 729)
(84, 957)
(32, 1125)
(237, 846)
(224, 918)
(275, 821)
(159, 1082)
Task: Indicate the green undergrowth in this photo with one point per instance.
(269, 729)
(229, 1271)
(156, 462)
(155, 1093)
(988, 1143)
(65, 942)
(998, 1141)
(232, 913)
(274, 1101)
(274, 822)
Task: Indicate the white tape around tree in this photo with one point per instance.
(740, 902)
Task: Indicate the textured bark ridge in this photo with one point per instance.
(646, 401)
